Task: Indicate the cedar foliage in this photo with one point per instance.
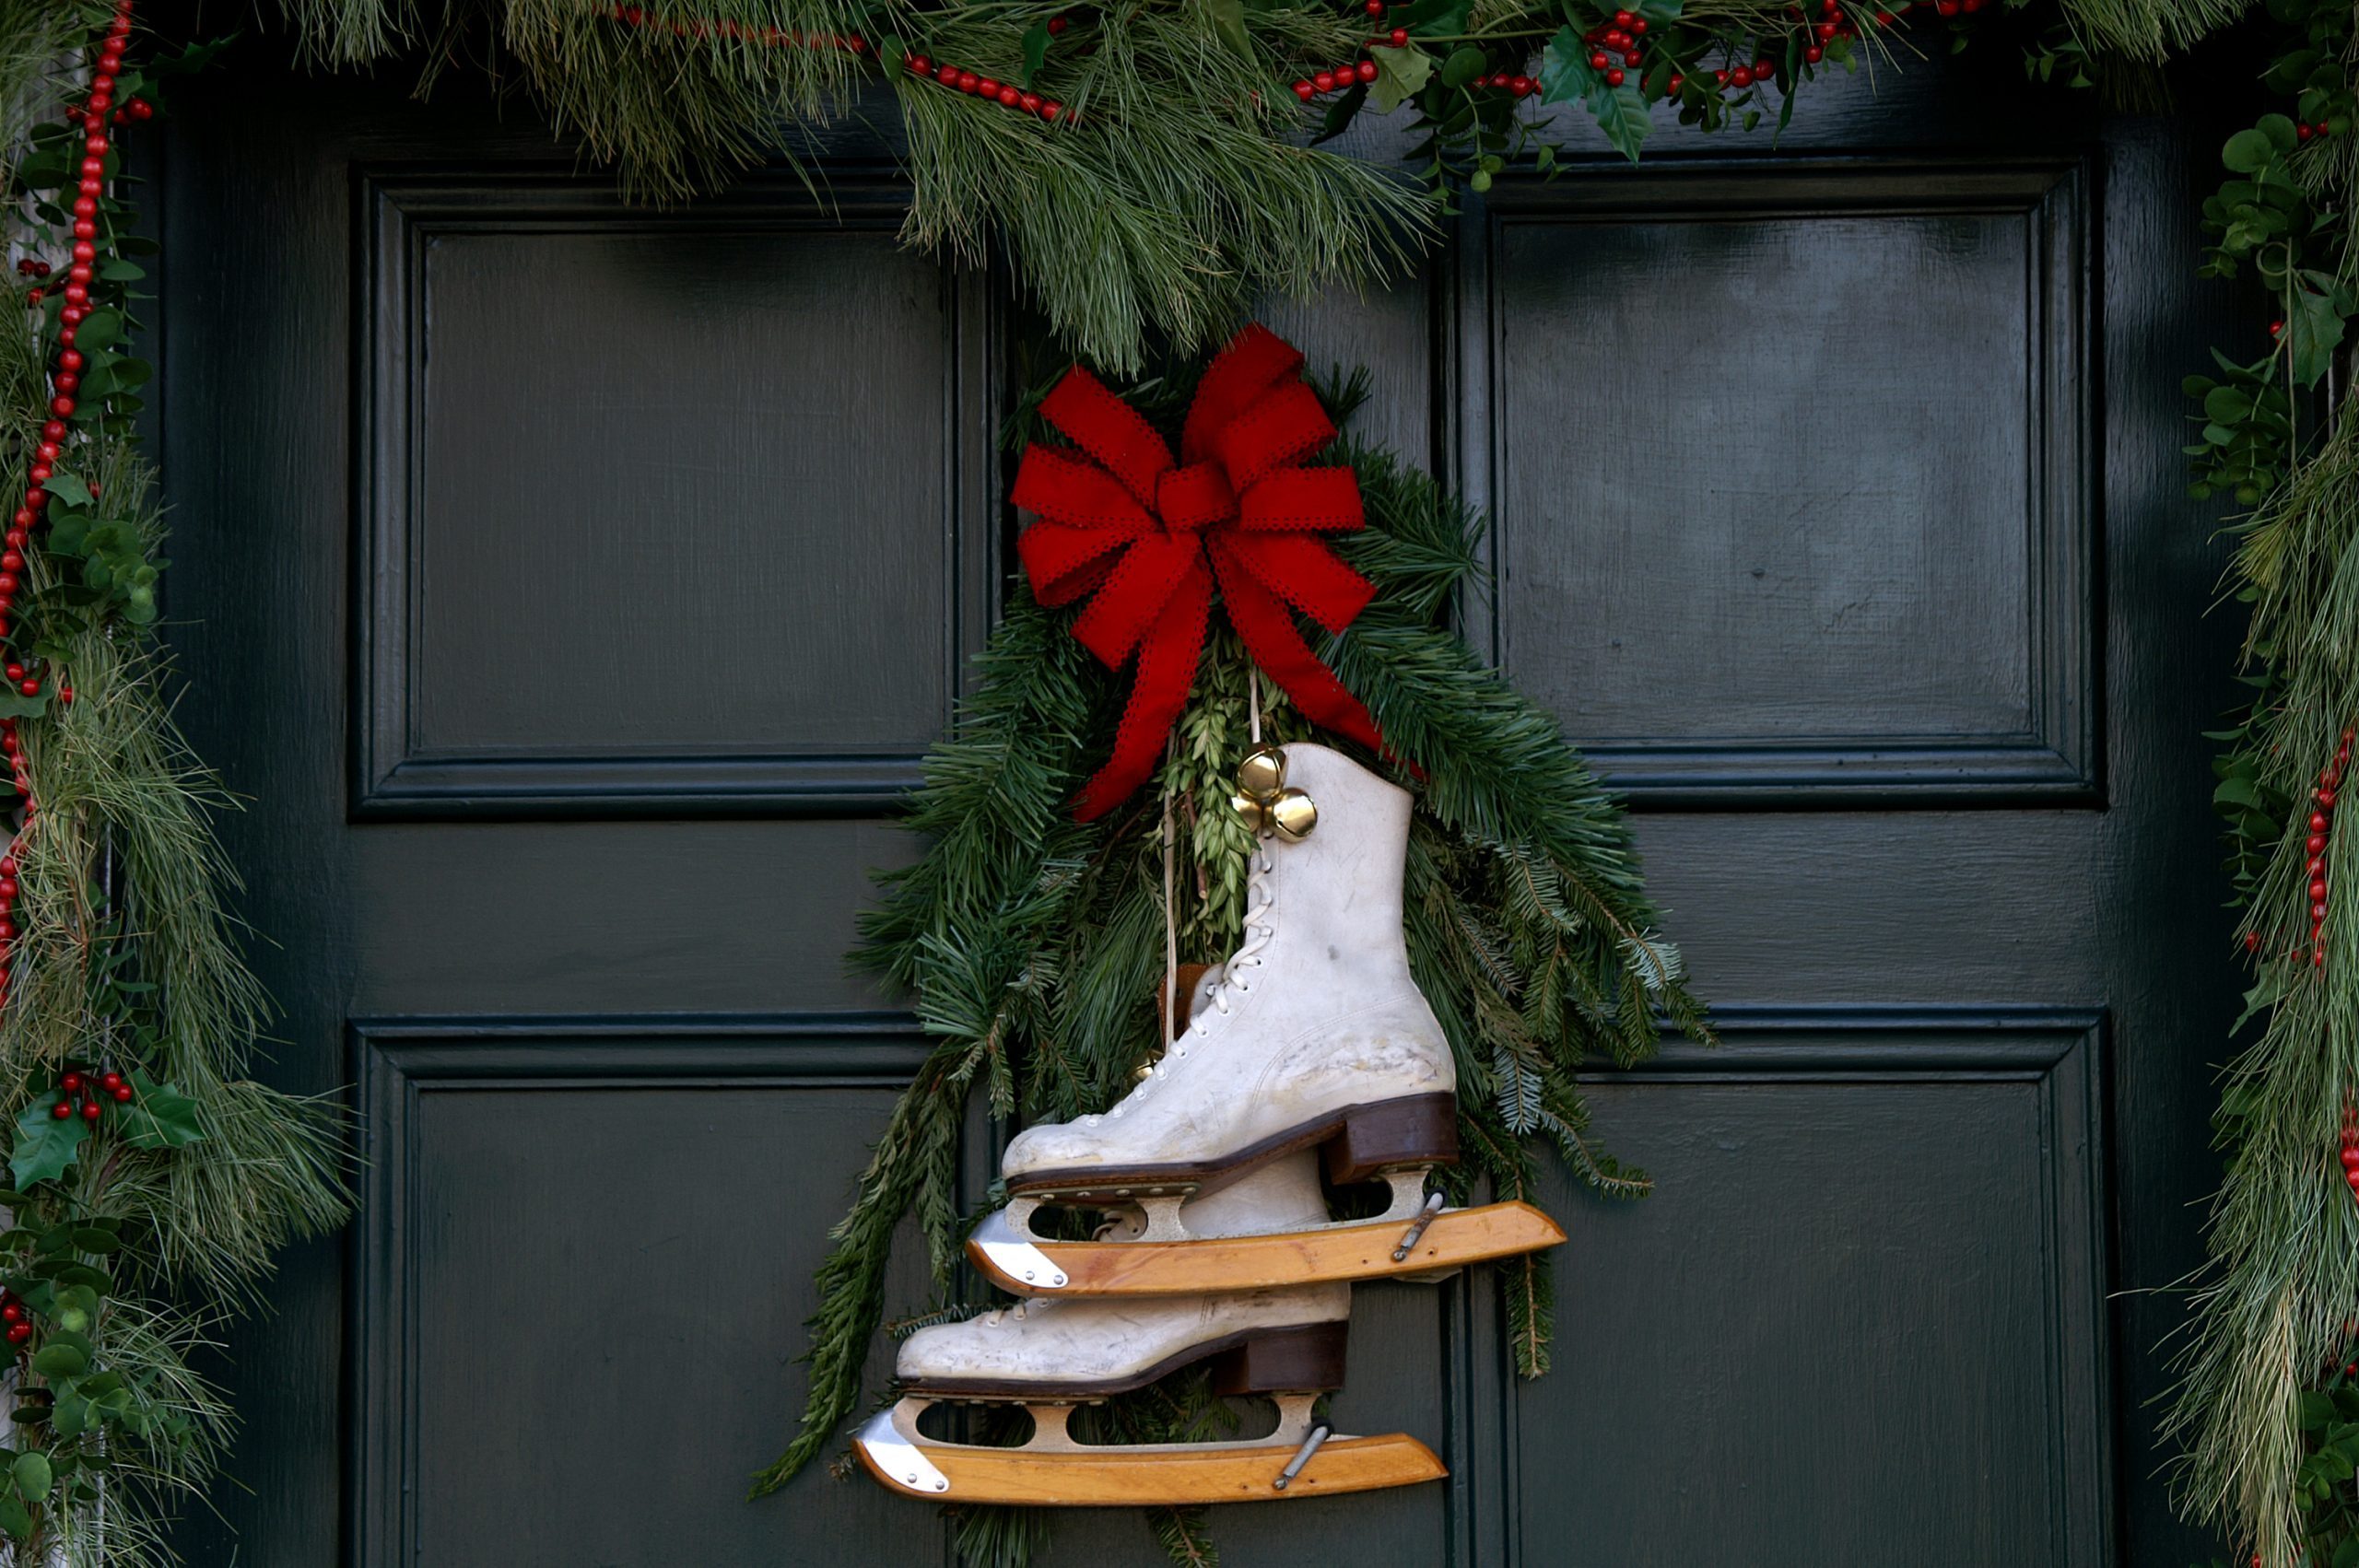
(1034, 944)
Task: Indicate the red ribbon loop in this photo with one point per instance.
(1144, 539)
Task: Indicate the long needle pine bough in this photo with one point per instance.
(1034, 944)
(149, 1181)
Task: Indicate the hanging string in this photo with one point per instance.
(1170, 907)
(1253, 698)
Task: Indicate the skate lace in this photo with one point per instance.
(1000, 1315)
(1232, 981)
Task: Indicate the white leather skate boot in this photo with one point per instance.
(1086, 1347)
(1315, 1033)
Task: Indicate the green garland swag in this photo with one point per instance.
(1034, 944)
(1180, 179)
(149, 1181)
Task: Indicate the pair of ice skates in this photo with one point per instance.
(1311, 1041)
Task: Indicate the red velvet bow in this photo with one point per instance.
(1149, 537)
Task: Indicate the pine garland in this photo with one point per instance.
(1034, 944)
(134, 1232)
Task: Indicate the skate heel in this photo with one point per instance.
(1284, 1361)
(1420, 1130)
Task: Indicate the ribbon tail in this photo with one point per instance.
(1262, 619)
(1166, 672)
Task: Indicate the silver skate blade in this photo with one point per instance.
(894, 1454)
(1009, 1252)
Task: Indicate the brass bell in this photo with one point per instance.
(1256, 815)
(1292, 815)
(1262, 773)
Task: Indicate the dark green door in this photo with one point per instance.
(572, 587)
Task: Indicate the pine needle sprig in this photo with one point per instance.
(2276, 1300)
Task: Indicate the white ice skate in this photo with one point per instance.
(1286, 1344)
(1311, 1035)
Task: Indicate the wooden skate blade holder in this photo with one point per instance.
(1135, 1476)
(1451, 1240)
(1056, 1470)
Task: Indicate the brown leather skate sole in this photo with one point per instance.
(1452, 1239)
(1299, 1359)
(1362, 1142)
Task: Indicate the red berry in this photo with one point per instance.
(30, 686)
(1638, 26)
(12, 1313)
(1813, 54)
(71, 1083)
(1762, 70)
(92, 1110)
(110, 1080)
(19, 1333)
(123, 1095)
(1615, 77)
(1623, 18)
(1600, 61)
(1367, 67)
(987, 86)
(2252, 941)
(2318, 822)
(1305, 91)
(1741, 77)
(1400, 37)
(1675, 83)
(1522, 86)
(969, 81)
(62, 1110)
(1324, 81)
(140, 109)
(1050, 109)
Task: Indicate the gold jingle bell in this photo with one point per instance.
(1262, 773)
(1292, 815)
(1264, 801)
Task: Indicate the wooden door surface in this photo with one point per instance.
(572, 587)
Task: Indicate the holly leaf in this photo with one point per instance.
(67, 490)
(1466, 63)
(1565, 70)
(2313, 325)
(1399, 74)
(1036, 51)
(46, 1143)
(15, 1518)
(1622, 115)
(158, 1117)
(1660, 12)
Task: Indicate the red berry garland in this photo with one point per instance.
(65, 377)
(2321, 823)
